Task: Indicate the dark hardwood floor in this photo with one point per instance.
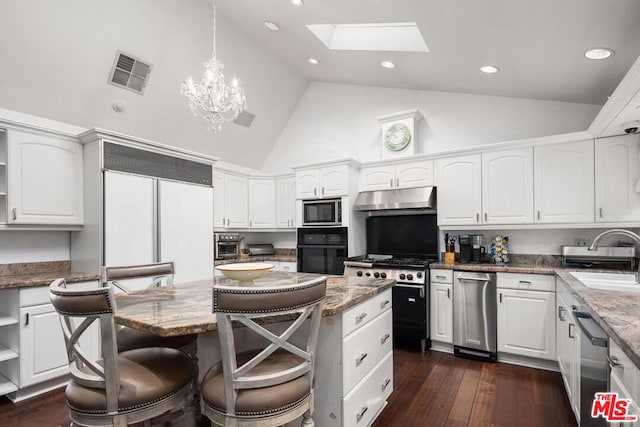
(437, 389)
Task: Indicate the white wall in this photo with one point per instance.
(33, 246)
(56, 57)
(336, 121)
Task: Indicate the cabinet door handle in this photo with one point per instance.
(13, 213)
(361, 413)
(26, 319)
(538, 215)
(561, 313)
(384, 339)
(448, 293)
(360, 316)
(223, 222)
(500, 297)
(571, 335)
(360, 358)
(385, 384)
(441, 277)
(250, 224)
(391, 183)
(477, 217)
(315, 191)
(600, 212)
(485, 217)
(613, 362)
(384, 303)
(323, 191)
(397, 182)
(524, 282)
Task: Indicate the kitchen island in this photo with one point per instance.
(354, 361)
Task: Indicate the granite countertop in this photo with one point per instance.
(26, 275)
(257, 258)
(187, 309)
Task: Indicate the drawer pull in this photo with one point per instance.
(441, 277)
(524, 282)
(561, 313)
(26, 319)
(384, 339)
(361, 413)
(384, 303)
(360, 359)
(385, 384)
(571, 335)
(613, 362)
(360, 316)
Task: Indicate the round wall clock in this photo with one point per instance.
(397, 137)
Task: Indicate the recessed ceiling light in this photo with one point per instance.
(387, 64)
(297, 2)
(313, 61)
(489, 69)
(599, 53)
(272, 26)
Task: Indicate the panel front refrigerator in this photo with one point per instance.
(149, 220)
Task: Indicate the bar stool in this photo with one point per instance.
(272, 385)
(121, 388)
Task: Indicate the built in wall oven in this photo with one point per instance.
(322, 213)
(226, 245)
(322, 250)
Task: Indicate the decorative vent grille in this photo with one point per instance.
(245, 119)
(129, 72)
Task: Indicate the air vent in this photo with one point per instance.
(129, 72)
(244, 119)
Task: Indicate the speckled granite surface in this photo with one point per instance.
(493, 268)
(24, 275)
(187, 309)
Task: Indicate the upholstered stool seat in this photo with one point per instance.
(258, 401)
(132, 339)
(147, 377)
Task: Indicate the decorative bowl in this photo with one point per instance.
(245, 272)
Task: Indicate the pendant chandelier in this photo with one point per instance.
(212, 99)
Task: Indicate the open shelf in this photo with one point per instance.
(6, 386)
(6, 354)
(7, 320)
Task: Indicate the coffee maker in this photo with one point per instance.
(471, 249)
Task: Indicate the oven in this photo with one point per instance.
(322, 212)
(226, 245)
(322, 250)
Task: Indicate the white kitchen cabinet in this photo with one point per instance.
(323, 182)
(563, 183)
(526, 315)
(356, 362)
(617, 169)
(617, 386)
(231, 200)
(397, 176)
(459, 190)
(441, 312)
(262, 209)
(285, 202)
(507, 187)
(568, 346)
(44, 179)
(9, 341)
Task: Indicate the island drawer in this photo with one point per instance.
(363, 350)
(365, 401)
(624, 369)
(363, 313)
(441, 276)
(528, 282)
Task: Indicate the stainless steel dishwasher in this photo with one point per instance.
(474, 315)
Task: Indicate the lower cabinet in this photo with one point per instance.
(624, 379)
(356, 360)
(441, 315)
(568, 346)
(526, 315)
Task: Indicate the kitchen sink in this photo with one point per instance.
(609, 281)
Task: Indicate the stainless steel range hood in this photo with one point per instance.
(409, 198)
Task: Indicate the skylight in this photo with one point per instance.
(399, 37)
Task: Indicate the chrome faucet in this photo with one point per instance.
(623, 232)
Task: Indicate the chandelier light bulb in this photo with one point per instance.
(211, 98)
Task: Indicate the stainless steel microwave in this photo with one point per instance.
(322, 212)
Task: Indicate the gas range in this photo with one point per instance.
(401, 269)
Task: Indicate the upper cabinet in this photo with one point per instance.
(397, 176)
(459, 190)
(285, 202)
(507, 187)
(617, 175)
(327, 181)
(230, 200)
(262, 209)
(43, 179)
(563, 183)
